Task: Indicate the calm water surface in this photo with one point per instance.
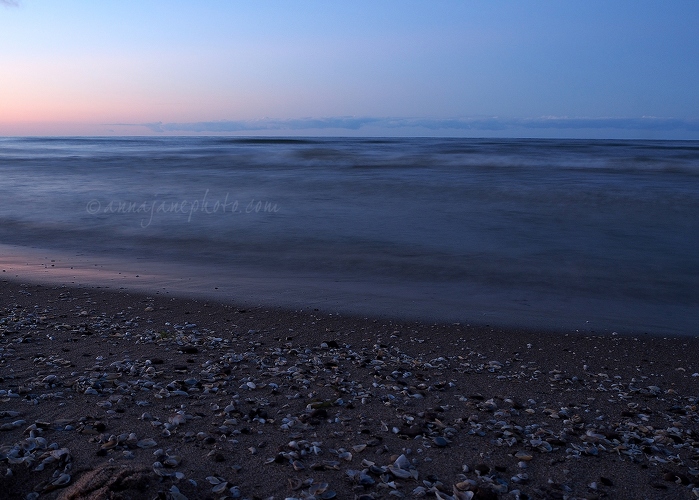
(588, 235)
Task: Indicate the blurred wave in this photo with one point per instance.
(617, 220)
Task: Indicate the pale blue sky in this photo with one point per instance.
(495, 68)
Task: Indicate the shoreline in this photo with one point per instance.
(412, 301)
(289, 404)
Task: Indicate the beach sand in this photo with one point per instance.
(115, 394)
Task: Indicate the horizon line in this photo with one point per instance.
(465, 124)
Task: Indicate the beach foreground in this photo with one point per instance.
(105, 394)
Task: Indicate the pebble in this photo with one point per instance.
(440, 441)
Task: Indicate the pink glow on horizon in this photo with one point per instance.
(77, 67)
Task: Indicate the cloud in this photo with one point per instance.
(645, 123)
(345, 123)
(10, 3)
(651, 124)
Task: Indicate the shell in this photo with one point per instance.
(220, 487)
(146, 443)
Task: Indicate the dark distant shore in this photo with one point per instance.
(109, 394)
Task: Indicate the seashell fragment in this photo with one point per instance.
(61, 480)
(463, 495)
(175, 493)
(172, 461)
(178, 419)
(220, 487)
(317, 488)
(160, 470)
(146, 443)
(402, 462)
(465, 485)
(109, 444)
(399, 473)
(365, 479)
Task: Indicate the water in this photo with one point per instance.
(571, 235)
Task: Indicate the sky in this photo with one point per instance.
(592, 69)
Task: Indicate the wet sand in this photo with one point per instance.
(115, 394)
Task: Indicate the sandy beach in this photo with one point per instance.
(109, 394)
(349, 250)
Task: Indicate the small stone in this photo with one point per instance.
(440, 441)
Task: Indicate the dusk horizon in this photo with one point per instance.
(616, 70)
